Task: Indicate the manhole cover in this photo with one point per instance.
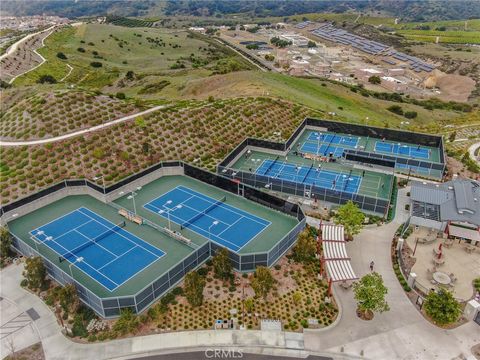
(33, 314)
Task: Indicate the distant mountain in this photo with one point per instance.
(76, 8)
(407, 10)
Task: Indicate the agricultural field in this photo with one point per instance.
(56, 113)
(208, 131)
(449, 37)
(100, 54)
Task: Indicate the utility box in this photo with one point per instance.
(471, 310)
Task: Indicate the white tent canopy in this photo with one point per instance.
(335, 253)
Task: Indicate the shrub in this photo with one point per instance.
(396, 109)
(80, 49)
(46, 79)
(120, 95)
(374, 79)
(96, 64)
(410, 114)
(442, 307)
(61, 55)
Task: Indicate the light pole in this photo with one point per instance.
(168, 213)
(132, 197)
(179, 206)
(34, 239)
(209, 229)
(79, 259)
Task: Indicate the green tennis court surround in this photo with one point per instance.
(116, 266)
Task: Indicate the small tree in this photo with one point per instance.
(68, 298)
(452, 136)
(312, 44)
(352, 219)
(193, 288)
(130, 75)
(410, 114)
(249, 305)
(396, 109)
(262, 282)
(222, 266)
(140, 122)
(61, 55)
(305, 249)
(297, 297)
(96, 64)
(442, 307)
(5, 244)
(370, 294)
(374, 79)
(35, 272)
(127, 322)
(46, 79)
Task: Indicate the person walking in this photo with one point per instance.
(371, 266)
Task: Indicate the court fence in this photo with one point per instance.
(337, 197)
(110, 307)
(423, 168)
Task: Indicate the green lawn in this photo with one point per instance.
(119, 49)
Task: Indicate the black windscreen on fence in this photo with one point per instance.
(369, 158)
(389, 134)
(267, 144)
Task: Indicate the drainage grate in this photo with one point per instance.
(33, 314)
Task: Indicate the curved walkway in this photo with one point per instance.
(472, 150)
(14, 47)
(401, 333)
(80, 132)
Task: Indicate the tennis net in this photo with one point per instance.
(72, 253)
(271, 166)
(202, 213)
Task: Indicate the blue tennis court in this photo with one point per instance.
(310, 175)
(322, 150)
(404, 150)
(344, 140)
(326, 144)
(212, 218)
(105, 251)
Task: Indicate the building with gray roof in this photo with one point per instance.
(452, 207)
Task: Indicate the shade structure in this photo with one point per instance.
(335, 254)
(340, 270)
(464, 233)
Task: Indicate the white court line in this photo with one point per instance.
(116, 258)
(57, 218)
(189, 207)
(85, 262)
(229, 208)
(206, 198)
(191, 226)
(93, 243)
(119, 233)
(236, 221)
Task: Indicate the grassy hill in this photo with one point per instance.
(119, 49)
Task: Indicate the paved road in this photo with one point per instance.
(472, 149)
(80, 132)
(225, 354)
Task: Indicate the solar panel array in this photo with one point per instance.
(329, 32)
(304, 24)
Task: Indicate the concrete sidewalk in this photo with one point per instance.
(402, 332)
